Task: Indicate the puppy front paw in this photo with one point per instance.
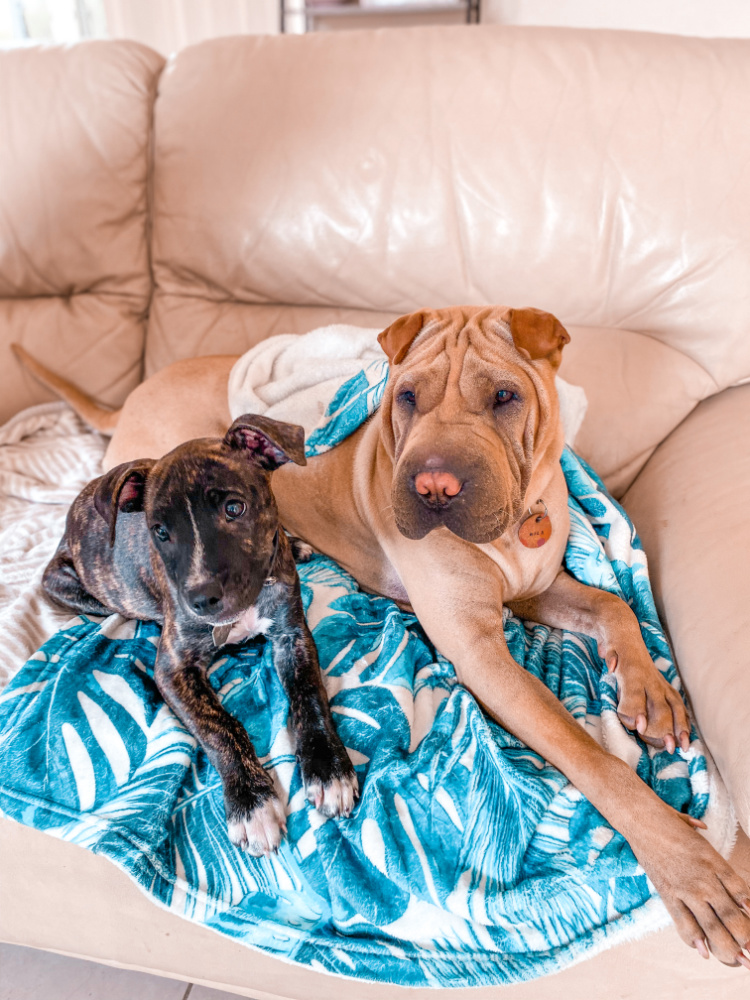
(335, 797)
(257, 830)
(301, 551)
(330, 782)
(255, 818)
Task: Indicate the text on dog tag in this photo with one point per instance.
(535, 530)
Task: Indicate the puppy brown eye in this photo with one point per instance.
(234, 509)
(505, 396)
(407, 397)
(160, 532)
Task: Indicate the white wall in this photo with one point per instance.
(27, 21)
(710, 18)
(168, 25)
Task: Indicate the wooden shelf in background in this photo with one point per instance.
(311, 12)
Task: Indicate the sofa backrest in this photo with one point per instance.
(75, 283)
(600, 175)
(355, 176)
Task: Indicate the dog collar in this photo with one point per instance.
(270, 580)
(536, 528)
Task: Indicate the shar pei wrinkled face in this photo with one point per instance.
(470, 406)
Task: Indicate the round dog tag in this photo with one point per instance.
(536, 529)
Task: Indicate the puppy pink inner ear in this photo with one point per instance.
(130, 493)
(262, 449)
(122, 489)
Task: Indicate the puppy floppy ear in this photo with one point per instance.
(399, 336)
(122, 489)
(270, 443)
(538, 334)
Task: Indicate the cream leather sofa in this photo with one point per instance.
(251, 186)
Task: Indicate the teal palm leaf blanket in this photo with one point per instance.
(468, 860)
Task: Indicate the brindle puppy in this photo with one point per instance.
(197, 546)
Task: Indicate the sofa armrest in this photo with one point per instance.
(691, 506)
(75, 165)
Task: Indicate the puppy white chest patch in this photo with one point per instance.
(249, 624)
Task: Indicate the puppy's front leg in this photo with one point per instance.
(327, 772)
(255, 818)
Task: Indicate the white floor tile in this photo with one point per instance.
(27, 974)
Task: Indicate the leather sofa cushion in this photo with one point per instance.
(74, 161)
(68, 899)
(599, 175)
(364, 175)
(690, 507)
(638, 390)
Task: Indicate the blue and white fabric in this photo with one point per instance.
(468, 860)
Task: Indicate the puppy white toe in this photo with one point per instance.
(314, 794)
(259, 831)
(301, 551)
(336, 798)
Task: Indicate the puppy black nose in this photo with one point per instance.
(206, 599)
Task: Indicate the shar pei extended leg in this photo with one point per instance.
(707, 900)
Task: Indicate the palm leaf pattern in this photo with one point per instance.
(468, 861)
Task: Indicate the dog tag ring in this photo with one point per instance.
(536, 529)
